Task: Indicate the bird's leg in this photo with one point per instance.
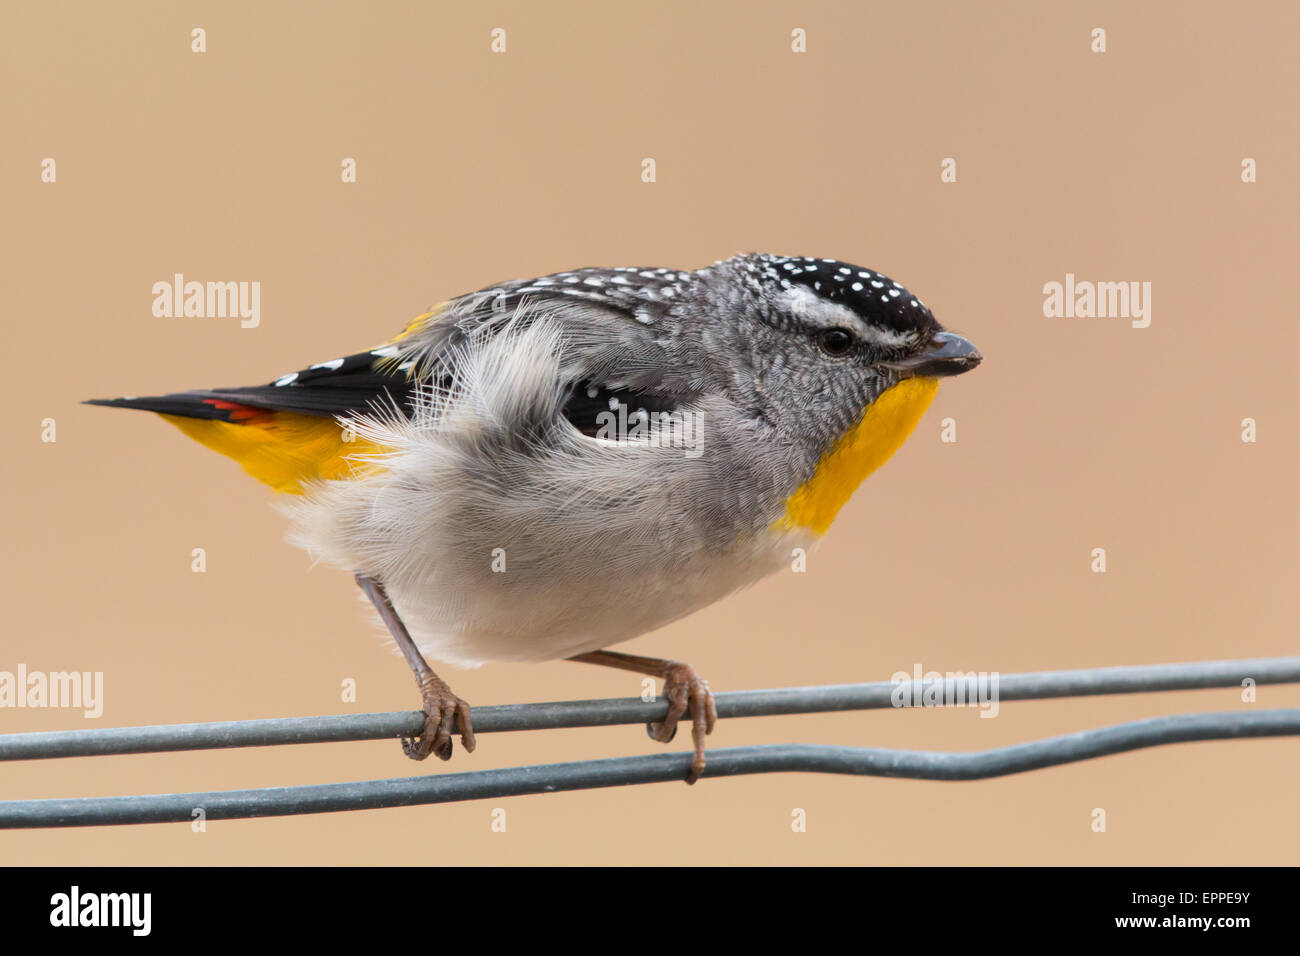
(683, 688)
(444, 712)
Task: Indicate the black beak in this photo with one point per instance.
(947, 354)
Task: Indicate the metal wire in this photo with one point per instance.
(655, 768)
(603, 713)
(622, 771)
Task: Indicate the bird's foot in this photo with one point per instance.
(685, 690)
(444, 715)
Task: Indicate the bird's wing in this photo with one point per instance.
(285, 433)
(612, 352)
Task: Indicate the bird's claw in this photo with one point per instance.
(684, 690)
(444, 715)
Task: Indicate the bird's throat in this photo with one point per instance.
(880, 432)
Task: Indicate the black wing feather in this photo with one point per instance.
(353, 385)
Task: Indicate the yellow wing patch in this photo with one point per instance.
(882, 430)
(284, 449)
(418, 322)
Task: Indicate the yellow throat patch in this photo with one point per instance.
(880, 432)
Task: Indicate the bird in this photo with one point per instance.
(547, 467)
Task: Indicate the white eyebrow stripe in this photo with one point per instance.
(886, 336)
(816, 311)
(806, 304)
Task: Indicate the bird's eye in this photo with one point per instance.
(836, 341)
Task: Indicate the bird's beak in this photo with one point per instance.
(947, 354)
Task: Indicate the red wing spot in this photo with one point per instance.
(240, 413)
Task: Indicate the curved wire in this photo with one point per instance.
(624, 771)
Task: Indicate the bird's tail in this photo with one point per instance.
(283, 449)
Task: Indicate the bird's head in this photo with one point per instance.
(824, 334)
(843, 358)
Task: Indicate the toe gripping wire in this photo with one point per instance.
(1243, 722)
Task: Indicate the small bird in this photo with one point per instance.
(550, 466)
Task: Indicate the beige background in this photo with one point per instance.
(476, 167)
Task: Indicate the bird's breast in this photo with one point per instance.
(880, 432)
